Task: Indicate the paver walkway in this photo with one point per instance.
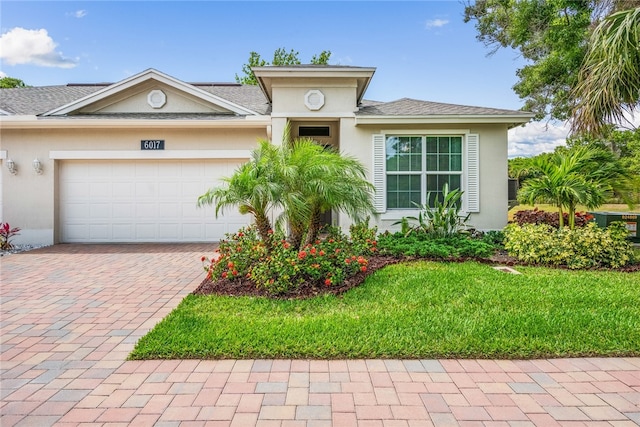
(70, 314)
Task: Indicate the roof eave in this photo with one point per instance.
(363, 75)
(510, 119)
(34, 122)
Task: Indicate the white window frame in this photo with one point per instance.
(470, 162)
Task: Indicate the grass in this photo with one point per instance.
(580, 208)
(417, 310)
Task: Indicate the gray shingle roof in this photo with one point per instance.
(248, 96)
(38, 100)
(414, 107)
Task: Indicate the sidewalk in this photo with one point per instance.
(70, 314)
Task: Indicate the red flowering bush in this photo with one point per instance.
(6, 233)
(327, 262)
(538, 216)
(236, 255)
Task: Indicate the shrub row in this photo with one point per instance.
(586, 247)
(429, 246)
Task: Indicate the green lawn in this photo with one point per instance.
(417, 310)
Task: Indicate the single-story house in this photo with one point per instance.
(126, 162)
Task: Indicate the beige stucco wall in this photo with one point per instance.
(28, 199)
(289, 97)
(135, 101)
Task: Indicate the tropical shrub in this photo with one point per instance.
(6, 233)
(281, 270)
(429, 246)
(493, 237)
(587, 247)
(443, 219)
(539, 216)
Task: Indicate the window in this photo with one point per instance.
(418, 166)
(309, 131)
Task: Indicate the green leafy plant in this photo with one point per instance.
(493, 237)
(6, 233)
(284, 268)
(441, 220)
(429, 246)
(587, 247)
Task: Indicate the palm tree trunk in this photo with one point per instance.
(572, 216)
(560, 216)
(314, 227)
(296, 233)
(265, 231)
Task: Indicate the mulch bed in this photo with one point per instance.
(245, 287)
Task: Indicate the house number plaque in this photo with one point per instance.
(152, 144)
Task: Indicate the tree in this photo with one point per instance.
(584, 175)
(317, 180)
(523, 168)
(625, 147)
(10, 82)
(301, 178)
(609, 81)
(280, 57)
(551, 35)
(253, 188)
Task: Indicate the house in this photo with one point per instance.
(125, 162)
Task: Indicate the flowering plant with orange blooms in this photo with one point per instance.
(326, 262)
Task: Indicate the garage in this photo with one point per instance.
(102, 201)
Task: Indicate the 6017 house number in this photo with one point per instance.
(152, 144)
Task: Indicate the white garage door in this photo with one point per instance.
(142, 201)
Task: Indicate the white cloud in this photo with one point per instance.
(22, 46)
(78, 14)
(632, 119)
(542, 137)
(536, 137)
(436, 23)
(2, 74)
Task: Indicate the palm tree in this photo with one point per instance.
(609, 81)
(317, 180)
(566, 179)
(303, 179)
(253, 188)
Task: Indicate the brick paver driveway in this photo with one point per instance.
(72, 313)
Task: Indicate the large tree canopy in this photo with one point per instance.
(280, 57)
(552, 35)
(609, 81)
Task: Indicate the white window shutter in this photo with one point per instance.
(379, 173)
(472, 190)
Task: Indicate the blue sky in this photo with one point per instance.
(421, 49)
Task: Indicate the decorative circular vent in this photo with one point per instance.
(156, 98)
(314, 100)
